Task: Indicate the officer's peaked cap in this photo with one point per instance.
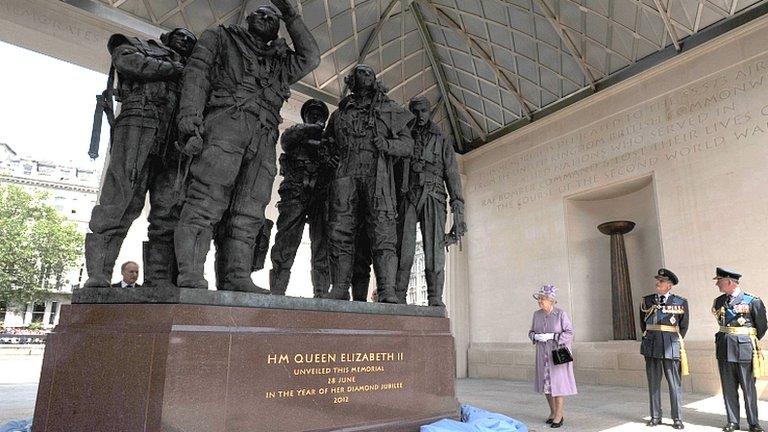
(723, 273)
(667, 274)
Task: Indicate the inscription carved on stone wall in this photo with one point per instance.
(33, 16)
(718, 113)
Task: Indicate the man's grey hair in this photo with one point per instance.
(125, 264)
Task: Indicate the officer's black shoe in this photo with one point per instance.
(756, 428)
(730, 427)
(653, 422)
(678, 424)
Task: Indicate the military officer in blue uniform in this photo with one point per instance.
(742, 321)
(664, 321)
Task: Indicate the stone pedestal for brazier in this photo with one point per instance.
(224, 361)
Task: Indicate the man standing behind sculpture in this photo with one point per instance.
(431, 168)
(142, 156)
(303, 193)
(368, 132)
(234, 86)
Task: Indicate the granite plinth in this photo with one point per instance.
(189, 367)
(174, 295)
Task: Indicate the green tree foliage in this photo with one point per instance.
(37, 246)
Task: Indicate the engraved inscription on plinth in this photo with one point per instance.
(332, 378)
(189, 367)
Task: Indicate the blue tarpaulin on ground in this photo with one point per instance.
(473, 420)
(477, 420)
(17, 426)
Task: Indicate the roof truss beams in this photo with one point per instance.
(668, 24)
(472, 42)
(560, 30)
(437, 67)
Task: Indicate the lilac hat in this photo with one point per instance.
(546, 291)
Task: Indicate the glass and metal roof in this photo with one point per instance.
(488, 66)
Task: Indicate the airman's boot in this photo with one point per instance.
(191, 246)
(237, 263)
(278, 281)
(159, 263)
(100, 254)
(435, 282)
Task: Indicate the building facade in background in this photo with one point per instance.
(72, 190)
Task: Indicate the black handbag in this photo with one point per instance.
(561, 355)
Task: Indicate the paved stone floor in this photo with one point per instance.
(18, 386)
(595, 408)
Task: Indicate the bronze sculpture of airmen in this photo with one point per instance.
(427, 174)
(306, 171)
(367, 132)
(234, 86)
(142, 156)
(361, 267)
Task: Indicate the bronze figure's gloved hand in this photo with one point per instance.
(459, 225)
(285, 8)
(189, 125)
(329, 158)
(381, 144)
(178, 67)
(194, 145)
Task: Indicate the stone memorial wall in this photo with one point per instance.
(691, 135)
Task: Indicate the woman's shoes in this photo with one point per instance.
(550, 420)
(555, 424)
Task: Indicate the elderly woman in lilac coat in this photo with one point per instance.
(552, 328)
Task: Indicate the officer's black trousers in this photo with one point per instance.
(654, 367)
(732, 376)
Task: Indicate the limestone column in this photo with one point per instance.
(623, 318)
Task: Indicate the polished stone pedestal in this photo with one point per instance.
(173, 366)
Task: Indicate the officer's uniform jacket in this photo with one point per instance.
(673, 313)
(744, 310)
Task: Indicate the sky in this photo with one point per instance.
(46, 107)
